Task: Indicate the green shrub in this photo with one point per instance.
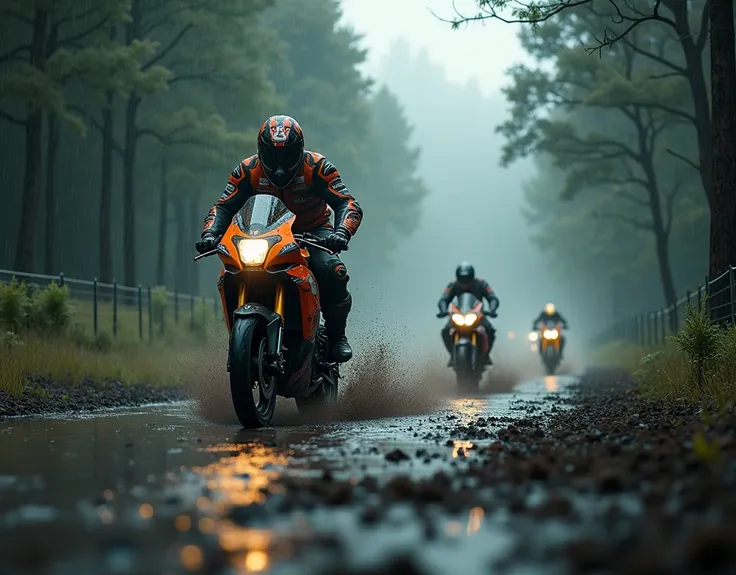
(159, 304)
(49, 309)
(13, 306)
(9, 339)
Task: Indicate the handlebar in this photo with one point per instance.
(305, 239)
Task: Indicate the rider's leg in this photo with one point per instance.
(447, 340)
(332, 278)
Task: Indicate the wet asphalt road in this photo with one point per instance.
(154, 490)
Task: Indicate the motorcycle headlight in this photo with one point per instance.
(533, 336)
(253, 252)
(458, 319)
(551, 334)
(470, 319)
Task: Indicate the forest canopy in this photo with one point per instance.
(123, 118)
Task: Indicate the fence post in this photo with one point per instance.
(700, 298)
(94, 305)
(176, 306)
(731, 294)
(688, 299)
(150, 315)
(114, 308)
(140, 312)
(675, 319)
(191, 313)
(642, 330)
(664, 329)
(61, 279)
(706, 289)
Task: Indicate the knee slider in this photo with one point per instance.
(339, 272)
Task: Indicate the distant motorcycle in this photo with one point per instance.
(272, 311)
(470, 340)
(549, 337)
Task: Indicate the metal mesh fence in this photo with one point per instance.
(142, 313)
(652, 328)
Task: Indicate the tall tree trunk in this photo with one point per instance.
(193, 233)
(105, 254)
(162, 221)
(108, 139)
(26, 247)
(52, 146)
(723, 87)
(180, 273)
(129, 156)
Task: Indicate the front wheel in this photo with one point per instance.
(468, 379)
(253, 391)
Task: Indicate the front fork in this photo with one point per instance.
(276, 364)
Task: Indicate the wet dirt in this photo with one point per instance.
(160, 489)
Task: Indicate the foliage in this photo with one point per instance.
(13, 306)
(699, 339)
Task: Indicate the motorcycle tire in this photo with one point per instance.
(467, 378)
(247, 359)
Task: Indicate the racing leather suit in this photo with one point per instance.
(315, 188)
(480, 289)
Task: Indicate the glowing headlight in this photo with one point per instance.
(551, 334)
(460, 319)
(253, 252)
(533, 336)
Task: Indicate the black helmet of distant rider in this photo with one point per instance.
(281, 149)
(465, 273)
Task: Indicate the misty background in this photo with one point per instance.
(407, 109)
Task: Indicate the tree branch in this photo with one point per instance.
(688, 161)
(16, 16)
(659, 59)
(93, 121)
(71, 40)
(13, 53)
(12, 119)
(704, 24)
(162, 54)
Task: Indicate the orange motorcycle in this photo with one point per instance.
(549, 345)
(271, 304)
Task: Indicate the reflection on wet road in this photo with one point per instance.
(158, 490)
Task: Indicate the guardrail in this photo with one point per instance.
(653, 328)
(115, 307)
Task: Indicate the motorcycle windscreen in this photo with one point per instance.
(261, 214)
(466, 302)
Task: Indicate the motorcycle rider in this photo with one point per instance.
(550, 314)
(309, 185)
(465, 281)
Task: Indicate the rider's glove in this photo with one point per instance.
(208, 243)
(337, 241)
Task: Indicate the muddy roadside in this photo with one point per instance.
(42, 396)
(602, 481)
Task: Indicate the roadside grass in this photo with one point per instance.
(64, 361)
(45, 334)
(697, 366)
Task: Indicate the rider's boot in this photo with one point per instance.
(336, 318)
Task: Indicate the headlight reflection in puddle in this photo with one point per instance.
(242, 479)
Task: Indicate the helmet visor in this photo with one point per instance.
(284, 158)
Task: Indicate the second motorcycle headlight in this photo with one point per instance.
(551, 334)
(253, 252)
(460, 319)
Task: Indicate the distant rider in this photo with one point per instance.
(467, 282)
(550, 314)
(309, 185)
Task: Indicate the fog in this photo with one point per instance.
(449, 83)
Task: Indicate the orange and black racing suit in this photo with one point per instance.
(315, 189)
(480, 289)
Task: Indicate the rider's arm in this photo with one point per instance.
(536, 321)
(237, 191)
(327, 183)
(490, 295)
(446, 297)
(563, 321)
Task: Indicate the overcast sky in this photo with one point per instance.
(480, 51)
